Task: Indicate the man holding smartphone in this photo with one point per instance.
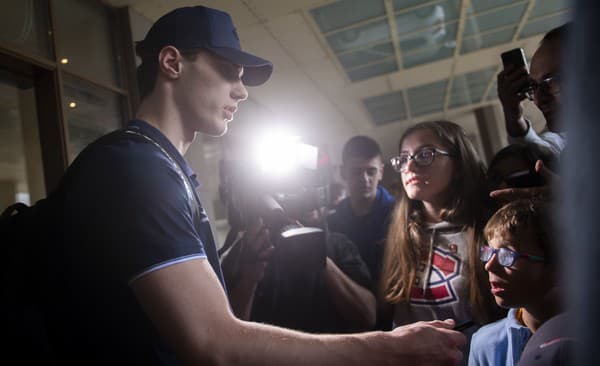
(543, 86)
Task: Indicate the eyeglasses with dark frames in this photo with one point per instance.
(505, 256)
(550, 85)
(423, 157)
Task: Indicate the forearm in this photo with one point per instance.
(516, 124)
(259, 344)
(189, 310)
(356, 304)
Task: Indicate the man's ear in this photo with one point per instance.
(169, 62)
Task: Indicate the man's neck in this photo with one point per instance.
(159, 113)
(361, 206)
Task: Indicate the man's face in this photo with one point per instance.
(545, 64)
(209, 93)
(362, 176)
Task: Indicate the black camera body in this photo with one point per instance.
(280, 203)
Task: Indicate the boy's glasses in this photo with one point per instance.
(505, 257)
(423, 157)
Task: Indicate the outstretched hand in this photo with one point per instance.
(546, 191)
(431, 343)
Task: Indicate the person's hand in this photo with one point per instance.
(429, 343)
(546, 191)
(511, 82)
(256, 252)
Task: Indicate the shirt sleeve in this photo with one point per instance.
(548, 142)
(131, 212)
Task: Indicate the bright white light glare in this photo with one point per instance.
(277, 152)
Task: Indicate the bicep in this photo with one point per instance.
(187, 305)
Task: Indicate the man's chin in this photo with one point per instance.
(216, 132)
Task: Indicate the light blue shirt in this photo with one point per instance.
(499, 343)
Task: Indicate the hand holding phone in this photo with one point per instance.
(516, 59)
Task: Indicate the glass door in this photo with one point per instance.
(21, 168)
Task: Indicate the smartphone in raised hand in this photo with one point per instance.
(516, 57)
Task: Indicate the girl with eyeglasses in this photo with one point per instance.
(431, 264)
(523, 278)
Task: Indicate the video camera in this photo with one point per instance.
(282, 202)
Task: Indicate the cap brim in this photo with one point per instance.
(256, 70)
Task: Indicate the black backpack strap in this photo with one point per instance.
(192, 199)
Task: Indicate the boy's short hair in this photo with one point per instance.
(362, 147)
(531, 214)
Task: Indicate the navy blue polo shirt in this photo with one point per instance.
(126, 213)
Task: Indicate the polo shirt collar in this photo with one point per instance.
(156, 135)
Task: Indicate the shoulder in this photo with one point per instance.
(126, 160)
(490, 335)
(385, 202)
(124, 172)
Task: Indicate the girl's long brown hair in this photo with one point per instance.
(468, 206)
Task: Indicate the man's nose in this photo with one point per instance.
(239, 92)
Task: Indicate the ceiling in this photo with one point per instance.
(374, 66)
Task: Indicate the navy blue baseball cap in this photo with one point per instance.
(201, 27)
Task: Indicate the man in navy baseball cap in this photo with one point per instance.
(197, 27)
(140, 277)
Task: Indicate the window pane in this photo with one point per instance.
(370, 71)
(374, 32)
(367, 55)
(84, 40)
(21, 170)
(24, 23)
(346, 12)
(428, 98)
(90, 112)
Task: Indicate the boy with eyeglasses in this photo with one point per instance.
(522, 276)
